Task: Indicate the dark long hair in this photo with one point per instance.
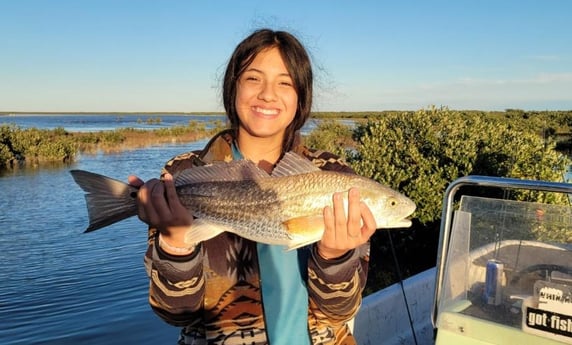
(299, 67)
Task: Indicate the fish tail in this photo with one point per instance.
(108, 200)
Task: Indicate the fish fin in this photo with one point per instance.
(304, 230)
(295, 245)
(202, 230)
(108, 200)
(219, 172)
(293, 164)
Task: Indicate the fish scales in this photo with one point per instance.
(257, 209)
(285, 208)
(242, 205)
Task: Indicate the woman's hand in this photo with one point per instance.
(160, 207)
(343, 233)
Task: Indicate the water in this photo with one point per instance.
(96, 122)
(59, 285)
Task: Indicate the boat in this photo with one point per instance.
(503, 275)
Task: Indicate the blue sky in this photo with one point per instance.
(119, 55)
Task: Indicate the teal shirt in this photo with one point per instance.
(284, 291)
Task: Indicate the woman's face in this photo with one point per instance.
(266, 100)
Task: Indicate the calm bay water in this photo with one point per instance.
(59, 285)
(96, 122)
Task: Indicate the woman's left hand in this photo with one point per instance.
(343, 233)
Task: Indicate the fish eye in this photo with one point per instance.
(392, 202)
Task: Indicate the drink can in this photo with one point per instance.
(493, 282)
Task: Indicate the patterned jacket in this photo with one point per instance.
(215, 294)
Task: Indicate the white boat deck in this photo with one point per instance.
(383, 318)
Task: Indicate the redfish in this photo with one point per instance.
(282, 208)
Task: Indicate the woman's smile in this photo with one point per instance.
(266, 112)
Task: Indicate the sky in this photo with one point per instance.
(368, 55)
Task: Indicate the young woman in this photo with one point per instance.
(230, 290)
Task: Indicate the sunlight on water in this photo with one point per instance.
(60, 285)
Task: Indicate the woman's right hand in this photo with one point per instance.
(159, 206)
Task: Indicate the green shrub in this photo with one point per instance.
(6, 155)
(33, 145)
(63, 150)
(331, 135)
(112, 137)
(421, 153)
(88, 138)
(172, 131)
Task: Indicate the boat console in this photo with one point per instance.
(504, 268)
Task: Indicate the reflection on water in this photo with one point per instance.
(60, 285)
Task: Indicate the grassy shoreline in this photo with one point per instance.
(32, 147)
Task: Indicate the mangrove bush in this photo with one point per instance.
(32, 146)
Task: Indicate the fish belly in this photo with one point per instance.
(258, 209)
